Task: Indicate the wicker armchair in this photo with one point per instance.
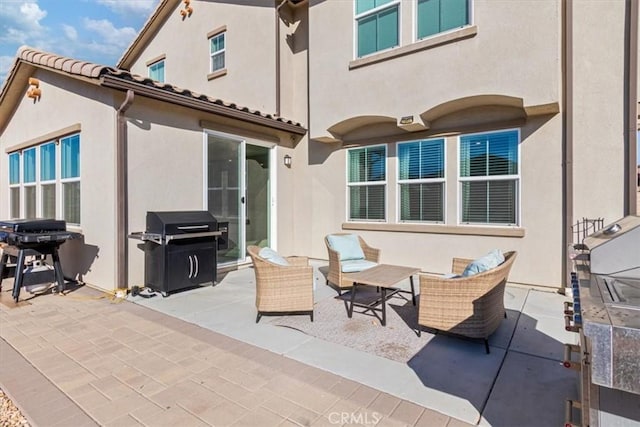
(469, 306)
(282, 289)
(335, 275)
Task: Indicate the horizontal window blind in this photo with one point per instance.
(489, 175)
(367, 202)
(421, 161)
(367, 188)
(15, 202)
(422, 202)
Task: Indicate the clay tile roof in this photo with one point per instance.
(100, 72)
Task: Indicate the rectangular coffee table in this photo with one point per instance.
(385, 277)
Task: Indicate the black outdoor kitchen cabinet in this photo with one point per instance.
(185, 264)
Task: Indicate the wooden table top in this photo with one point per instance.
(384, 275)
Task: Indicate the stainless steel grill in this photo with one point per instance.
(606, 313)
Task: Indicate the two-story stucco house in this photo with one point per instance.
(432, 128)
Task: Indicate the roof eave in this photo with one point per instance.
(162, 11)
(202, 105)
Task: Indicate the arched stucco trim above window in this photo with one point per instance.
(472, 113)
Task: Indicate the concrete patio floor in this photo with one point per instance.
(198, 358)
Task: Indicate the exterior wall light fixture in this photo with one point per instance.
(287, 160)
(34, 91)
(188, 10)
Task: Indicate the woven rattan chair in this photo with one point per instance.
(282, 289)
(335, 276)
(468, 306)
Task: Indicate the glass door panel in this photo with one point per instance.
(225, 195)
(258, 195)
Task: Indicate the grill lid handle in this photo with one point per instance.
(193, 227)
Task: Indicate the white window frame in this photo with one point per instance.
(39, 183)
(375, 10)
(517, 178)
(442, 180)
(366, 184)
(221, 52)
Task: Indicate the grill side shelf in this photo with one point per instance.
(144, 236)
(157, 238)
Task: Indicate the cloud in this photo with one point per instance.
(70, 32)
(129, 6)
(108, 33)
(5, 65)
(32, 14)
(20, 22)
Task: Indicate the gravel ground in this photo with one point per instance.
(10, 416)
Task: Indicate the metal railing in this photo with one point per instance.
(584, 228)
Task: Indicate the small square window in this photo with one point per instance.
(156, 71)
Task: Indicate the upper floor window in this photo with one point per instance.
(377, 23)
(367, 175)
(437, 16)
(490, 178)
(217, 51)
(49, 186)
(156, 71)
(421, 180)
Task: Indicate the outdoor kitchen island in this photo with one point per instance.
(607, 316)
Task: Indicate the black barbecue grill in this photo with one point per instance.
(32, 237)
(180, 249)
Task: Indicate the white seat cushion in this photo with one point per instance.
(348, 246)
(351, 266)
(272, 256)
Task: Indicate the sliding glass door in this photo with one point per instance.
(239, 193)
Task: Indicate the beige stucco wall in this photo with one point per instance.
(166, 164)
(599, 110)
(514, 53)
(250, 59)
(65, 102)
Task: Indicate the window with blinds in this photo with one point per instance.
(367, 185)
(44, 181)
(217, 52)
(489, 178)
(377, 24)
(437, 16)
(421, 181)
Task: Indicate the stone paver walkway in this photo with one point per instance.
(83, 359)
